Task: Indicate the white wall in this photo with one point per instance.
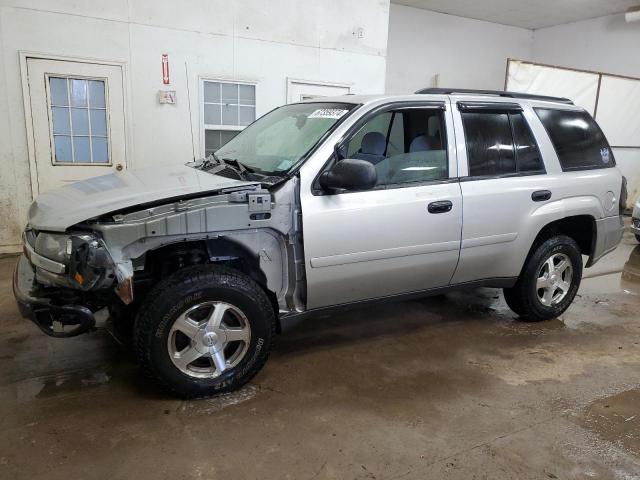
(465, 53)
(606, 44)
(255, 40)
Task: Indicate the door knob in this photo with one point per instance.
(119, 167)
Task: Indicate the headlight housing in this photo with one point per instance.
(54, 246)
(85, 258)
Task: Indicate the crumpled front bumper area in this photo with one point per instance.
(62, 321)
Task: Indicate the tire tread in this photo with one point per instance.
(195, 276)
(521, 299)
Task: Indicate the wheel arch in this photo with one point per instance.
(581, 228)
(258, 254)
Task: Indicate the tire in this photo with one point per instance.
(559, 284)
(177, 322)
(638, 237)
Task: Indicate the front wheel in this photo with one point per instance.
(204, 330)
(549, 280)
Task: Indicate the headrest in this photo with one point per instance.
(373, 143)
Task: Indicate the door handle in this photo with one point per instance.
(541, 195)
(441, 206)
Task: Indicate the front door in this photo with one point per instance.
(401, 236)
(78, 120)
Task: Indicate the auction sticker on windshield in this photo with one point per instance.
(328, 113)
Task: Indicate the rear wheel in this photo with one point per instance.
(204, 330)
(549, 280)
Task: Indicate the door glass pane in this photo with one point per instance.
(78, 93)
(81, 130)
(375, 131)
(81, 152)
(58, 88)
(62, 148)
(98, 122)
(96, 93)
(100, 150)
(80, 121)
(396, 143)
(60, 120)
(489, 144)
(529, 159)
(402, 147)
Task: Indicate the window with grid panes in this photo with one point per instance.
(228, 108)
(78, 120)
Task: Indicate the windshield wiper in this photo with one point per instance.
(240, 166)
(254, 170)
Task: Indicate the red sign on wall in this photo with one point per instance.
(165, 69)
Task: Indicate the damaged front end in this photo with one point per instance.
(61, 280)
(70, 271)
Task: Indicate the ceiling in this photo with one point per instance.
(530, 14)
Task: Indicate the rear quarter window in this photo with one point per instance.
(577, 139)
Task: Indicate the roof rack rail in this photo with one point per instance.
(498, 93)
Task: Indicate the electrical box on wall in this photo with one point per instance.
(167, 96)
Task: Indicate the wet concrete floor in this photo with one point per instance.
(448, 387)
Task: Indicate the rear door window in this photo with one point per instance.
(527, 153)
(500, 143)
(489, 144)
(577, 139)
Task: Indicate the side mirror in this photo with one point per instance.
(349, 174)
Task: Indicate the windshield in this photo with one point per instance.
(277, 141)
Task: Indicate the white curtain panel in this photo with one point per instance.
(619, 111)
(581, 87)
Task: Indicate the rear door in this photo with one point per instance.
(503, 181)
(401, 236)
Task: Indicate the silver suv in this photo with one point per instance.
(319, 205)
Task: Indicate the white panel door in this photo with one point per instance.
(78, 120)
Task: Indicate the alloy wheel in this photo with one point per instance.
(208, 339)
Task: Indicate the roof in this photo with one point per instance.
(440, 92)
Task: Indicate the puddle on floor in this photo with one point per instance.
(206, 406)
(55, 385)
(616, 419)
(515, 327)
